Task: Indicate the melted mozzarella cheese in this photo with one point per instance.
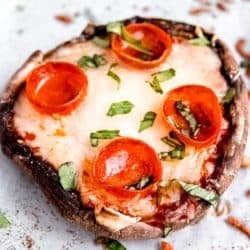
(114, 220)
(193, 65)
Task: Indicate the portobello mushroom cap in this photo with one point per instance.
(68, 203)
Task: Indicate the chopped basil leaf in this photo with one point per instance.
(91, 62)
(200, 41)
(178, 151)
(86, 62)
(94, 142)
(164, 75)
(101, 42)
(115, 27)
(67, 176)
(102, 135)
(99, 60)
(163, 155)
(186, 113)
(144, 182)
(4, 222)
(166, 231)
(169, 142)
(245, 64)
(228, 96)
(135, 43)
(120, 108)
(160, 77)
(114, 245)
(119, 29)
(144, 57)
(156, 86)
(148, 121)
(194, 190)
(110, 244)
(113, 75)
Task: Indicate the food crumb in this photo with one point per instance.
(108, 7)
(240, 48)
(64, 19)
(221, 6)
(233, 221)
(20, 31)
(28, 242)
(248, 193)
(19, 8)
(209, 7)
(198, 11)
(245, 162)
(205, 2)
(77, 14)
(145, 9)
(166, 246)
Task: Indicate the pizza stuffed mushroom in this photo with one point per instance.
(132, 129)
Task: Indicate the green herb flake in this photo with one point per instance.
(230, 94)
(114, 245)
(135, 43)
(186, 113)
(200, 41)
(99, 60)
(178, 151)
(148, 121)
(4, 222)
(156, 86)
(94, 142)
(194, 190)
(120, 108)
(110, 244)
(114, 27)
(101, 42)
(245, 64)
(86, 62)
(102, 135)
(113, 75)
(164, 75)
(119, 29)
(91, 62)
(67, 176)
(163, 155)
(144, 182)
(160, 77)
(166, 231)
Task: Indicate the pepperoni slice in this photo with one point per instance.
(56, 87)
(123, 163)
(157, 40)
(204, 107)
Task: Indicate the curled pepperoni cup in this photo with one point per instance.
(56, 87)
(152, 45)
(127, 167)
(194, 113)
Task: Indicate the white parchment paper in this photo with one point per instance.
(29, 25)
